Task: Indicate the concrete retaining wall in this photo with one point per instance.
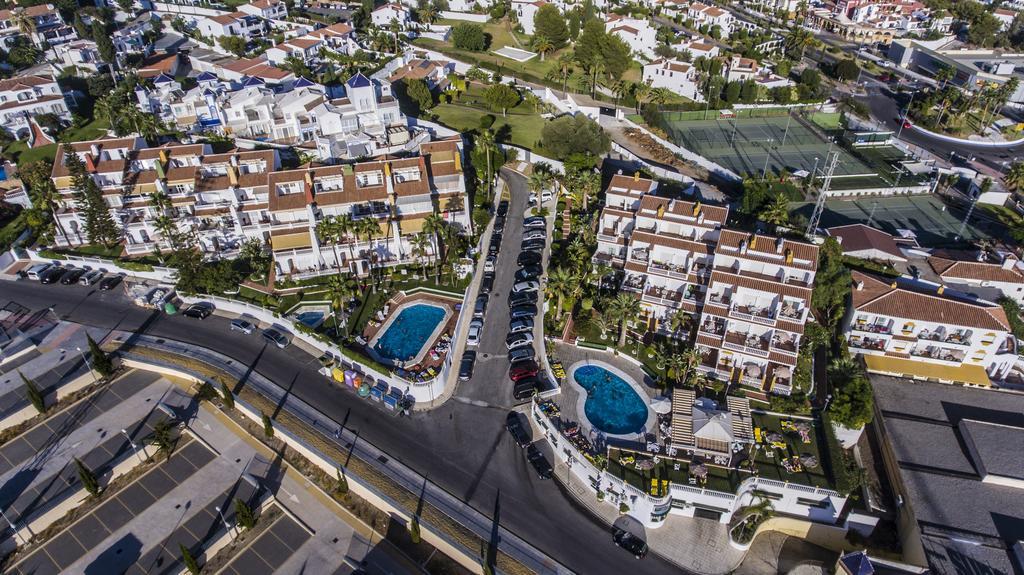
(160, 274)
(29, 411)
(179, 9)
(467, 16)
(687, 154)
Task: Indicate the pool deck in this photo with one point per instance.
(395, 305)
(650, 426)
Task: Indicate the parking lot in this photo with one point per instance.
(270, 550)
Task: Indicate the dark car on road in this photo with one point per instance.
(71, 276)
(528, 259)
(110, 283)
(522, 298)
(52, 275)
(499, 224)
(481, 306)
(539, 462)
(522, 311)
(488, 283)
(532, 245)
(502, 208)
(275, 337)
(629, 542)
(466, 365)
(514, 425)
(525, 387)
(201, 310)
(528, 273)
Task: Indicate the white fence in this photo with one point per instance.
(467, 16)
(185, 9)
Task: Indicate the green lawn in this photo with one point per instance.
(521, 127)
(771, 468)
(1002, 214)
(718, 478)
(19, 152)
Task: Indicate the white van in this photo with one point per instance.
(37, 270)
(91, 277)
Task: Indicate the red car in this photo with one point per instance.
(522, 370)
(907, 124)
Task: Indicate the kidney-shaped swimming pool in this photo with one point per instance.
(612, 405)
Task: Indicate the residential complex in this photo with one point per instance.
(751, 292)
(24, 97)
(224, 199)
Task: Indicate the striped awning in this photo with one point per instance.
(296, 241)
(966, 373)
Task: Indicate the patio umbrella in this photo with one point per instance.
(809, 461)
(645, 464)
(753, 370)
(699, 470)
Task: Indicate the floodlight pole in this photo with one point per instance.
(786, 133)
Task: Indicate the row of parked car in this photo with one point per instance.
(68, 275)
(523, 303)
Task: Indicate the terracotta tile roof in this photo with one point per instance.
(630, 184)
(712, 214)
(857, 237)
(805, 255)
(973, 270)
(671, 242)
(13, 104)
(874, 295)
(22, 82)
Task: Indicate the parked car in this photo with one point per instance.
(274, 336)
(492, 250)
(520, 433)
(110, 282)
(34, 272)
(244, 326)
(532, 245)
(546, 196)
(487, 284)
(499, 224)
(532, 201)
(515, 340)
(527, 286)
(539, 462)
(91, 277)
(525, 352)
(71, 276)
(522, 369)
(528, 273)
(474, 335)
(521, 325)
(522, 311)
(489, 263)
(534, 235)
(629, 542)
(481, 306)
(524, 388)
(528, 259)
(503, 208)
(477, 321)
(201, 310)
(535, 222)
(466, 365)
(523, 298)
(52, 275)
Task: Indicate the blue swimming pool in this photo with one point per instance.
(612, 405)
(311, 319)
(408, 333)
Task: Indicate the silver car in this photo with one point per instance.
(246, 327)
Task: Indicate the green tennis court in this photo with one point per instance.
(749, 146)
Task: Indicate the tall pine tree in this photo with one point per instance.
(100, 227)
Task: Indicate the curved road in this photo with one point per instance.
(462, 446)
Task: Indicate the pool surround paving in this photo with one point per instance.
(428, 343)
(650, 425)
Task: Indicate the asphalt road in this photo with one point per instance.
(462, 446)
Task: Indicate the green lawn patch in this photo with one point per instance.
(772, 468)
(19, 152)
(521, 127)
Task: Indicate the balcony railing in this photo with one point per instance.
(938, 353)
(663, 297)
(883, 328)
(867, 343)
(634, 283)
(669, 270)
(747, 343)
(785, 344)
(748, 313)
(720, 298)
(140, 247)
(713, 328)
(955, 338)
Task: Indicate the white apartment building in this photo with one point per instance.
(1001, 271)
(392, 13)
(82, 54)
(757, 301)
(366, 122)
(338, 38)
(641, 37)
(234, 24)
(268, 9)
(739, 69)
(525, 13)
(306, 50)
(674, 75)
(921, 329)
(48, 26)
(224, 199)
(698, 49)
(711, 16)
(22, 97)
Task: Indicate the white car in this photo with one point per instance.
(518, 340)
(474, 335)
(521, 325)
(534, 222)
(546, 196)
(533, 235)
(489, 264)
(525, 287)
(533, 199)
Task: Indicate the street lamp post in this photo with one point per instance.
(135, 447)
(86, 360)
(227, 526)
(903, 116)
(767, 156)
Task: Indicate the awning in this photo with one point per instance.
(412, 226)
(291, 241)
(966, 373)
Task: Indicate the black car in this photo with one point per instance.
(52, 275)
(522, 298)
(466, 366)
(71, 276)
(528, 259)
(532, 245)
(515, 427)
(499, 224)
(539, 462)
(521, 353)
(629, 542)
(110, 283)
(502, 208)
(201, 310)
(492, 250)
(522, 311)
(528, 273)
(496, 239)
(488, 283)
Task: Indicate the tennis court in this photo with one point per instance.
(749, 146)
(934, 223)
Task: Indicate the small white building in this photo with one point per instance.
(269, 9)
(234, 24)
(82, 54)
(386, 15)
(525, 13)
(22, 97)
(740, 69)
(641, 37)
(674, 75)
(711, 16)
(1002, 271)
(697, 49)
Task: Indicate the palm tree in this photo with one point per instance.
(776, 212)
(640, 91)
(328, 231)
(561, 283)
(340, 291)
(542, 46)
(428, 14)
(485, 140)
(368, 228)
(622, 309)
(565, 66)
(601, 323)
(420, 244)
(434, 225)
(799, 40)
(539, 181)
(1014, 178)
(675, 367)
